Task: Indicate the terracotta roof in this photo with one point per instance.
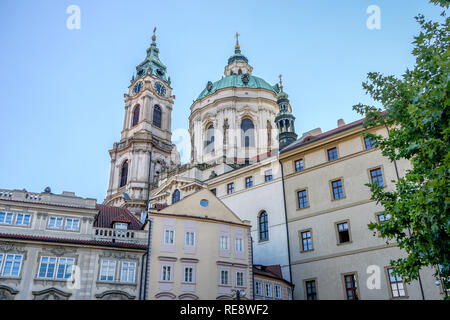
(273, 271)
(108, 215)
(115, 244)
(309, 139)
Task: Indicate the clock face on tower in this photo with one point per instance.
(137, 87)
(160, 88)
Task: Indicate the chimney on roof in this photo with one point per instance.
(340, 123)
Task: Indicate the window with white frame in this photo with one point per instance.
(166, 273)
(268, 289)
(65, 268)
(238, 244)
(120, 226)
(224, 277)
(239, 279)
(72, 224)
(11, 265)
(224, 242)
(23, 219)
(277, 291)
(128, 272)
(6, 217)
(55, 223)
(258, 288)
(189, 238)
(107, 270)
(47, 267)
(188, 274)
(1, 262)
(169, 236)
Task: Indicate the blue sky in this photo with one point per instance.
(61, 90)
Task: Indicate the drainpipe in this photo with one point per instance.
(142, 275)
(287, 228)
(409, 230)
(253, 275)
(147, 264)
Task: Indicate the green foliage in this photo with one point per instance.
(416, 111)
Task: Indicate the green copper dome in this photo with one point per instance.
(236, 81)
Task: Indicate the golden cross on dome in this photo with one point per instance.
(237, 40)
(281, 81)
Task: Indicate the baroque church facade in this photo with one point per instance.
(294, 195)
(233, 126)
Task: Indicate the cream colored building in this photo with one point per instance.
(199, 250)
(66, 247)
(333, 253)
(269, 283)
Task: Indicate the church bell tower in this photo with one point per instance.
(145, 148)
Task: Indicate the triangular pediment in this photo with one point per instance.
(194, 206)
(179, 182)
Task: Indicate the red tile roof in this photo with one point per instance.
(108, 215)
(273, 271)
(115, 244)
(310, 139)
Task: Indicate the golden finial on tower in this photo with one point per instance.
(281, 81)
(154, 34)
(237, 41)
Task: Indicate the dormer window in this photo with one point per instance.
(120, 226)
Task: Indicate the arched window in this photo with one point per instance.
(136, 111)
(124, 174)
(263, 227)
(248, 135)
(239, 72)
(157, 116)
(176, 196)
(209, 143)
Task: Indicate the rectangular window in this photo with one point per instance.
(311, 291)
(268, 289)
(332, 154)
(166, 273)
(12, 265)
(6, 217)
(306, 241)
(168, 236)
(277, 292)
(302, 199)
(396, 284)
(369, 142)
(128, 272)
(47, 267)
(230, 188)
(65, 268)
(23, 219)
(268, 175)
(258, 288)
(383, 217)
(239, 279)
(55, 222)
(224, 242)
(299, 165)
(107, 270)
(189, 238)
(377, 177)
(188, 274)
(224, 274)
(338, 191)
(350, 287)
(344, 235)
(72, 224)
(249, 182)
(238, 245)
(120, 226)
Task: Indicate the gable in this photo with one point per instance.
(190, 206)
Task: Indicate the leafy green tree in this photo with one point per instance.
(415, 112)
